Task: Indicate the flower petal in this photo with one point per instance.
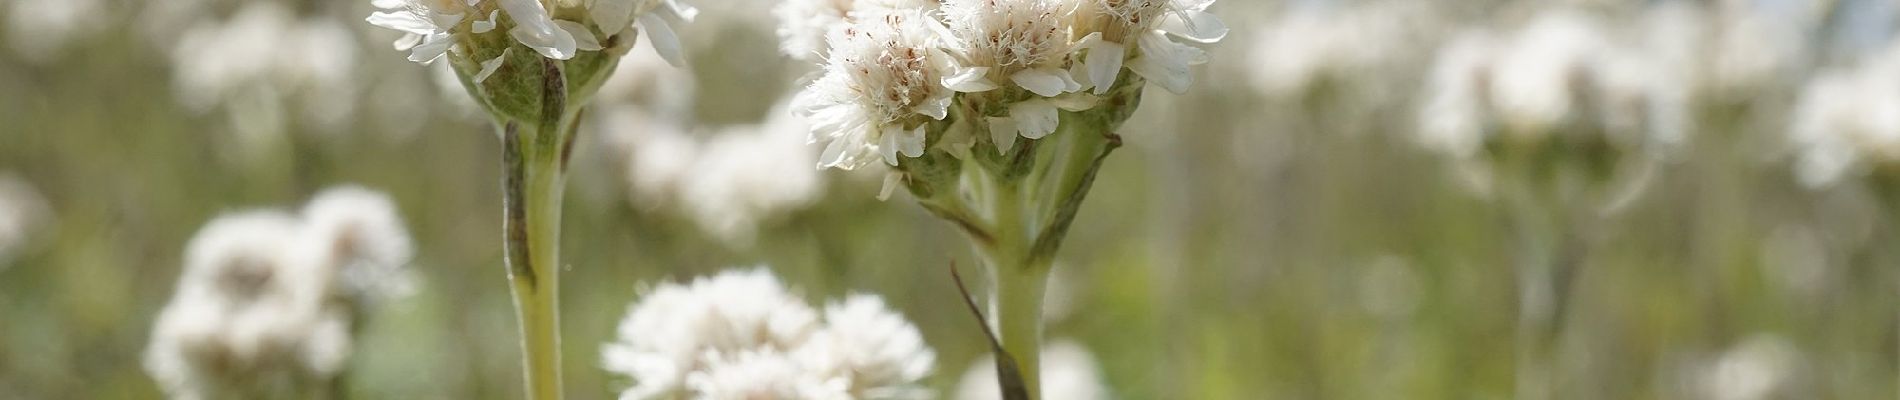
(403, 21)
(1035, 118)
(1105, 63)
(1045, 82)
(431, 48)
(663, 39)
(937, 106)
(891, 179)
(969, 80)
(612, 15)
(407, 41)
(1198, 26)
(583, 38)
(887, 143)
(912, 143)
(1003, 132)
(489, 67)
(483, 26)
(533, 28)
(1165, 62)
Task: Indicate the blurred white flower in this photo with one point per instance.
(749, 173)
(266, 62)
(1311, 44)
(882, 83)
(1846, 120)
(1539, 73)
(246, 315)
(359, 234)
(38, 29)
(804, 25)
(1112, 26)
(1455, 112)
(24, 215)
(1069, 372)
(1756, 369)
(266, 302)
(743, 335)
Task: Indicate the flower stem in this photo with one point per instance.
(533, 183)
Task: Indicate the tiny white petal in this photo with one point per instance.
(1198, 26)
(612, 15)
(489, 66)
(663, 39)
(1003, 132)
(1165, 62)
(1045, 82)
(483, 26)
(970, 80)
(912, 143)
(891, 179)
(402, 21)
(431, 48)
(1035, 118)
(407, 41)
(888, 145)
(1076, 102)
(583, 38)
(1105, 63)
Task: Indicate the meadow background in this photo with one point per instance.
(1274, 233)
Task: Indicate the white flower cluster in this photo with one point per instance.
(890, 72)
(271, 68)
(1848, 120)
(24, 214)
(435, 27)
(1561, 70)
(743, 335)
(266, 301)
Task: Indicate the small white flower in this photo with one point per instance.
(805, 24)
(245, 306)
(869, 350)
(1454, 114)
(741, 335)
(1116, 25)
(665, 335)
(1846, 120)
(537, 30)
(1533, 85)
(24, 214)
(655, 18)
(360, 235)
(1069, 372)
(882, 82)
(428, 24)
(1021, 42)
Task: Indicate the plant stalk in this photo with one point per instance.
(533, 183)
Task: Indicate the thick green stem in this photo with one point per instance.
(532, 185)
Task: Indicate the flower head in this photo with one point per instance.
(427, 24)
(743, 335)
(882, 83)
(1111, 27)
(1022, 41)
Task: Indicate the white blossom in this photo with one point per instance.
(743, 335)
(266, 302)
(245, 310)
(427, 25)
(1114, 26)
(24, 216)
(1846, 120)
(359, 234)
(882, 83)
(804, 25)
(1020, 42)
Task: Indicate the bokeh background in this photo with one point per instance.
(1277, 232)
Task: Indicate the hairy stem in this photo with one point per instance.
(532, 191)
